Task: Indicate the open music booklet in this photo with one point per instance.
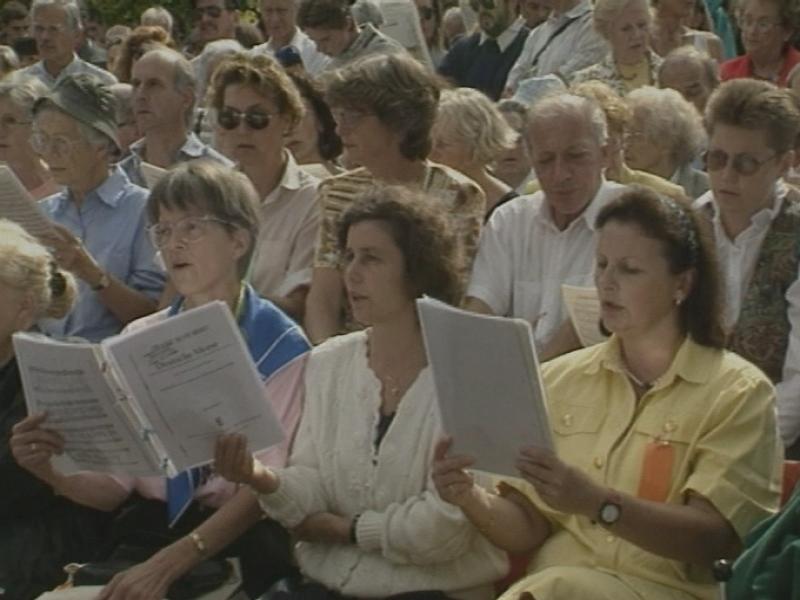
(488, 384)
(151, 402)
(16, 204)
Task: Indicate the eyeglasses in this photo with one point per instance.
(744, 164)
(39, 30)
(477, 5)
(57, 144)
(11, 121)
(347, 117)
(229, 118)
(215, 12)
(762, 25)
(189, 230)
(425, 13)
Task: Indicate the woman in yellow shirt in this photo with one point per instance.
(666, 445)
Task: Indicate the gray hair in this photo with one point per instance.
(475, 122)
(690, 54)
(23, 91)
(158, 16)
(558, 104)
(670, 120)
(70, 7)
(210, 57)
(184, 77)
(607, 11)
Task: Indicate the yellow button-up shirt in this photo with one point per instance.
(714, 408)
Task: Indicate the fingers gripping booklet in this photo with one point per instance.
(151, 402)
(488, 384)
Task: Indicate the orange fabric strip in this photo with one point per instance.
(656, 476)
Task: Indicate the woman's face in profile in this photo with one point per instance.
(15, 131)
(302, 141)
(375, 274)
(637, 290)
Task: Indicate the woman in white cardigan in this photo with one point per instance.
(357, 491)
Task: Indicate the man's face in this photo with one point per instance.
(534, 12)
(157, 103)
(568, 160)
(494, 16)
(278, 18)
(214, 20)
(331, 42)
(16, 29)
(54, 38)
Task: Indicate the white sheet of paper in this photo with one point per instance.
(66, 380)
(487, 382)
(152, 174)
(401, 23)
(583, 307)
(193, 379)
(16, 204)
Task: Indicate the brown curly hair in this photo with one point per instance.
(421, 232)
(141, 39)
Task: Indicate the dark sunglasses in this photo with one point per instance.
(425, 13)
(229, 118)
(477, 5)
(743, 164)
(215, 12)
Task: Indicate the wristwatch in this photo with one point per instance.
(610, 511)
(102, 283)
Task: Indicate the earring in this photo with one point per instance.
(678, 300)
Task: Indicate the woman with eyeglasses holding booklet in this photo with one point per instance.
(257, 106)
(752, 127)
(204, 223)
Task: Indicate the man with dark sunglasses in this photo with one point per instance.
(755, 218)
(483, 59)
(215, 19)
(164, 94)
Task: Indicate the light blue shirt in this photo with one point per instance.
(111, 223)
(191, 149)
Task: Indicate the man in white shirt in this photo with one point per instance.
(164, 88)
(57, 30)
(566, 42)
(755, 219)
(533, 244)
(279, 18)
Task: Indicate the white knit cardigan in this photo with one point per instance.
(408, 538)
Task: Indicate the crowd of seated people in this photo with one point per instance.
(317, 166)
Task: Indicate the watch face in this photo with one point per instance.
(609, 513)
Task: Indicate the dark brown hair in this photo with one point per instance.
(329, 144)
(325, 14)
(420, 230)
(686, 246)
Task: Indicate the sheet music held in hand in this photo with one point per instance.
(16, 204)
(154, 401)
(583, 307)
(487, 383)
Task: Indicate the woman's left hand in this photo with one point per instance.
(324, 527)
(561, 486)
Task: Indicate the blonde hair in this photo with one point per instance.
(607, 11)
(618, 113)
(475, 122)
(29, 266)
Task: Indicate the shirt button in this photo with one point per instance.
(598, 462)
(670, 426)
(567, 420)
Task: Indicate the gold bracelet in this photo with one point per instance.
(199, 543)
